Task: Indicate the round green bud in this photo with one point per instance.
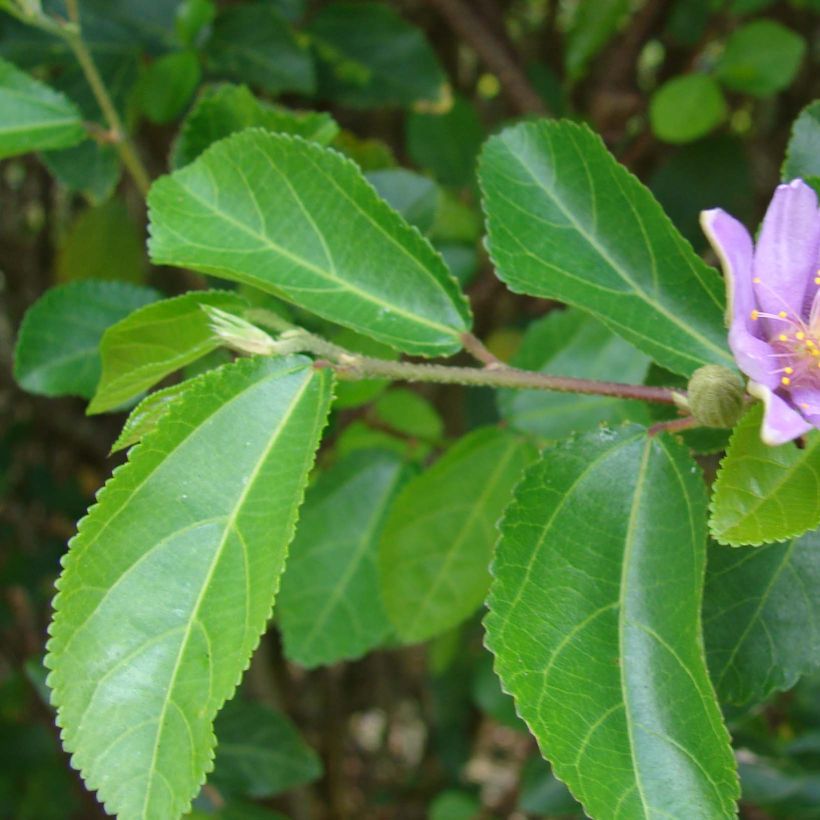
(716, 396)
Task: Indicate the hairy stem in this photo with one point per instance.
(72, 34)
(350, 365)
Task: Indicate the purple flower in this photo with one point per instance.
(774, 307)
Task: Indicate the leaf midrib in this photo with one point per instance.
(343, 284)
(616, 267)
(194, 616)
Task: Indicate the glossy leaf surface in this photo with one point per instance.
(259, 752)
(299, 221)
(761, 617)
(765, 494)
(567, 222)
(229, 108)
(157, 340)
(687, 107)
(569, 343)
(436, 546)
(330, 607)
(34, 117)
(174, 572)
(595, 624)
(57, 352)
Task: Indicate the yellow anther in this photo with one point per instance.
(788, 370)
(804, 405)
(786, 381)
(756, 280)
(782, 314)
(810, 343)
(817, 280)
(755, 315)
(800, 335)
(783, 337)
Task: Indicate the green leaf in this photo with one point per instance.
(34, 117)
(761, 617)
(173, 572)
(103, 243)
(370, 57)
(765, 494)
(415, 197)
(57, 351)
(168, 84)
(566, 221)
(786, 792)
(154, 341)
(542, 793)
(260, 752)
(147, 414)
(299, 221)
(760, 58)
(330, 608)
(446, 144)
(438, 540)
(803, 152)
(568, 343)
(88, 168)
(595, 624)
(253, 43)
(687, 108)
(405, 411)
(223, 110)
(592, 26)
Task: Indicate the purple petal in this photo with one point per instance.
(788, 250)
(807, 402)
(733, 245)
(780, 422)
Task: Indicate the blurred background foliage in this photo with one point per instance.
(697, 97)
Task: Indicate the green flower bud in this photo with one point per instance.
(716, 396)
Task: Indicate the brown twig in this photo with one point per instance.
(492, 51)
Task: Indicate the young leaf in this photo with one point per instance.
(765, 494)
(299, 221)
(157, 340)
(34, 117)
(253, 43)
(57, 352)
(330, 608)
(369, 57)
(803, 153)
(259, 752)
(436, 546)
(568, 343)
(686, 108)
(761, 617)
(760, 58)
(173, 574)
(567, 222)
(146, 415)
(223, 110)
(595, 624)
